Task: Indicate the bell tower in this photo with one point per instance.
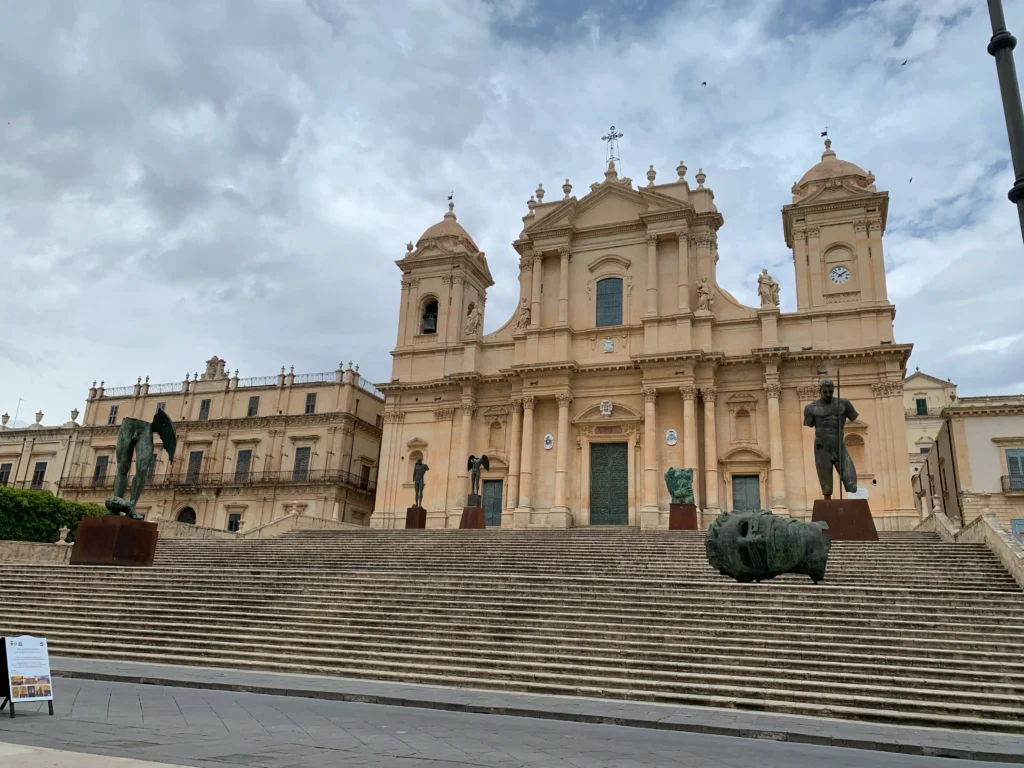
(834, 227)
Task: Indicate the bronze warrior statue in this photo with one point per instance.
(136, 437)
(474, 465)
(419, 470)
(828, 416)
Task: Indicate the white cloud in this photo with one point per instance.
(245, 183)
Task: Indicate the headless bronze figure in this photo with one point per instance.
(828, 416)
(136, 437)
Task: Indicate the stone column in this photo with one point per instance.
(564, 399)
(652, 275)
(689, 393)
(778, 469)
(455, 316)
(684, 270)
(650, 451)
(538, 264)
(710, 393)
(563, 285)
(403, 310)
(514, 452)
(522, 517)
(462, 483)
(814, 271)
(877, 259)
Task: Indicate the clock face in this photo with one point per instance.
(839, 275)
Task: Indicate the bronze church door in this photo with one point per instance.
(492, 503)
(609, 484)
(746, 493)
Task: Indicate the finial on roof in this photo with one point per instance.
(409, 246)
(291, 369)
(681, 170)
(147, 379)
(611, 173)
(540, 193)
(700, 178)
(917, 368)
(651, 175)
(451, 210)
(531, 204)
(828, 150)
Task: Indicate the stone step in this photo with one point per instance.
(908, 708)
(1006, 677)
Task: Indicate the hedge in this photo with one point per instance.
(39, 515)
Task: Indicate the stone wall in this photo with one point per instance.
(32, 552)
(171, 529)
(985, 529)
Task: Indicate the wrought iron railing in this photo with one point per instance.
(219, 479)
(914, 412)
(257, 381)
(165, 389)
(366, 386)
(314, 378)
(28, 485)
(1012, 483)
(119, 391)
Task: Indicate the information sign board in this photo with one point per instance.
(25, 665)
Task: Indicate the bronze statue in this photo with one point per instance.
(680, 485)
(136, 437)
(828, 416)
(755, 546)
(418, 481)
(474, 465)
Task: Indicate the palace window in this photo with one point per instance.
(364, 476)
(99, 472)
(922, 406)
(311, 402)
(234, 521)
(254, 406)
(38, 473)
(112, 416)
(428, 323)
(1015, 466)
(300, 470)
(609, 302)
(5, 473)
(204, 410)
(242, 464)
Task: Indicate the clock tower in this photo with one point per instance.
(834, 227)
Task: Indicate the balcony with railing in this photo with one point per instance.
(232, 479)
(328, 377)
(915, 413)
(1012, 483)
(27, 485)
(366, 386)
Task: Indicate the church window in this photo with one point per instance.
(609, 302)
(428, 323)
(922, 406)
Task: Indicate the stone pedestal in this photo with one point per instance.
(848, 519)
(114, 540)
(682, 517)
(415, 517)
(472, 517)
(474, 500)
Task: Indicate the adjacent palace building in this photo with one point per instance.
(250, 451)
(624, 357)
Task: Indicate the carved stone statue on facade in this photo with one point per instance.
(523, 318)
(828, 416)
(419, 470)
(474, 319)
(136, 437)
(474, 465)
(705, 295)
(680, 485)
(767, 289)
(754, 546)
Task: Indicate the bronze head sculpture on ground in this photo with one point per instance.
(136, 437)
(680, 485)
(755, 546)
(474, 465)
(828, 415)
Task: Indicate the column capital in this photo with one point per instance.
(709, 393)
(517, 403)
(443, 414)
(564, 399)
(529, 401)
(683, 235)
(537, 258)
(652, 239)
(773, 389)
(812, 231)
(650, 394)
(811, 392)
(688, 391)
(887, 388)
(467, 406)
(409, 282)
(565, 251)
(526, 264)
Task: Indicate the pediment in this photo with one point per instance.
(619, 414)
(856, 426)
(610, 259)
(610, 203)
(416, 442)
(740, 400)
(744, 454)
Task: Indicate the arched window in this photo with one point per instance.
(187, 515)
(609, 302)
(428, 323)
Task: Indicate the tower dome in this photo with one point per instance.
(448, 229)
(831, 167)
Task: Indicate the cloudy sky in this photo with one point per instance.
(188, 178)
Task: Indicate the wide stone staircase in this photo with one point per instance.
(909, 630)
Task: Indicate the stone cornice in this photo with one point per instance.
(46, 433)
(190, 428)
(529, 369)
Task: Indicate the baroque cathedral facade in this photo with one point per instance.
(625, 357)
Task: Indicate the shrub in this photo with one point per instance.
(39, 515)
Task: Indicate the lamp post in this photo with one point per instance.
(1001, 47)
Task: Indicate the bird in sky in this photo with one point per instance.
(904, 62)
(911, 180)
(704, 84)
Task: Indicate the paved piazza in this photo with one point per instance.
(149, 724)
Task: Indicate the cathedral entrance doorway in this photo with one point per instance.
(746, 492)
(492, 503)
(609, 484)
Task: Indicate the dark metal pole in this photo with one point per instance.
(1001, 47)
(842, 417)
